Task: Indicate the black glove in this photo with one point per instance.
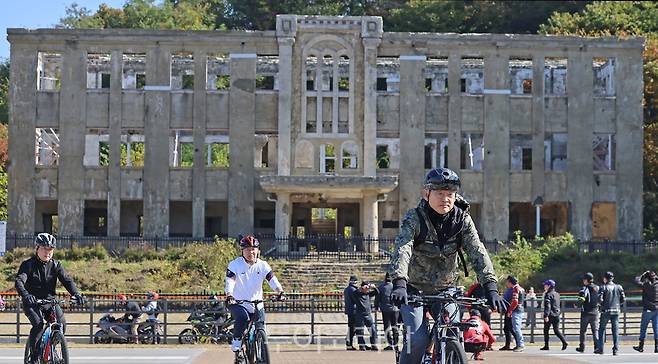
(30, 300)
(78, 299)
(496, 302)
(399, 293)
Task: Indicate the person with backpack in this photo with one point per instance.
(552, 313)
(611, 297)
(588, 298)
(428, 252)
(478, 338)
(649, 283)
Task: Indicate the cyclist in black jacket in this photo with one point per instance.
(36, 279)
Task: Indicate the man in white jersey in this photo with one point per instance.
(244, 281)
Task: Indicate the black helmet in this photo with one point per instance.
(588, 276)
(609, 276)
(45, 240)
(442, 179)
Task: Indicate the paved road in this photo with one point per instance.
(114, 356)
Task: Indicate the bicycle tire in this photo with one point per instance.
(58, 338)
(455, 353)
(262, 353)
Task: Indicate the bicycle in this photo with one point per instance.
(446, 339)
(254, 340)
(51, 342)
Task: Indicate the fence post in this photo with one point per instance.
(18, 320)
(92, 305)
(166, 311)
(533, 321)
(624, 307)
(564, 317)
(312, 320)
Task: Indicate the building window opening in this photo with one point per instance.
(520, 76)
(472, 156)
(555, 76)
(436, 75)
(217, 149)
(46, 146)
(181, 147)
(99, 68)
(604, 147)
(182, 71)
(521, 152)
(555, 152)
(436, 150)
(381, 83)
(472, 75)
(349, 155)
(327, 159)
(97, 148)
(132, 149)
(134, 71)
(383, 158)
(49, 70)
(604, 77)
(218, 73)
(267, 68)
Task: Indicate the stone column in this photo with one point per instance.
(495, 207)
(114, 168)
(370, 220)
(285, 105)
(283, 220)
(199, 137)
(241, 172)
(454, 112)
(628, 78)
(22, 123)
(157, 104)
(580, 165)
(72, 130)
(370, 106)
(538, 136)
(412, 130)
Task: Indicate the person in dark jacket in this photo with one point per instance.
(552, 313)
(649, 283)
(588, 298)
(363, 314)
(390, 312)
(612, 297)
(37, 279)
(349, 311)
(133, 315)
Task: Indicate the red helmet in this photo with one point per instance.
(153, 295)
(249, 241)
(122, 298)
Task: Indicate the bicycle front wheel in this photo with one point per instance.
(262, 354)
(59, 351)
(455, 353)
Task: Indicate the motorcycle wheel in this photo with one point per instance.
(188, 336)
(101, 337)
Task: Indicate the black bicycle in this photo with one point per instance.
(446, 339)
(51, 342)
(254, 340)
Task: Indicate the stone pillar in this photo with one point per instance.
(580, 165)
(199, 137)
(370, 106)
(495, 207)
(538, 137)
(72, 130)
(157, 104)
(241, 172)
(628, 79)
(283, 220)
(454, 112)
(412, 130)
(370, 220)
(22, 123)
(286, 29)
(114, 168)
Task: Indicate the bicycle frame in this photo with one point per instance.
(45, 344)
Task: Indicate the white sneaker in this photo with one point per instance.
(236, 345)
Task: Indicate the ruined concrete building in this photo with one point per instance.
(326, 125)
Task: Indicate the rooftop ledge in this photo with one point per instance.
(322, 184)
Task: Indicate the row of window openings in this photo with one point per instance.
(134, 72)
(97, 150)
(472, 153)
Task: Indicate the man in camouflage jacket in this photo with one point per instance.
(428, 251)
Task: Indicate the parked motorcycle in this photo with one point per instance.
(116, 331)
(207, 327)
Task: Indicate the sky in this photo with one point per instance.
(34, 14)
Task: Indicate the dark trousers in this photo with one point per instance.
(555, 322)
(591, 320)
(509, 332)
(351, 331)
(369, 323)
(241, 316)
(485, 315)
(391, 326)
(614, 322)
(38, 322)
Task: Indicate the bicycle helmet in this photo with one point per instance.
(152, 295)
(550, 283)
(588, 276)
(249, 241)
(45, 240)
(442, 179)
(122, 298)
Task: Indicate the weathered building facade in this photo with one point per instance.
(327, 124)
